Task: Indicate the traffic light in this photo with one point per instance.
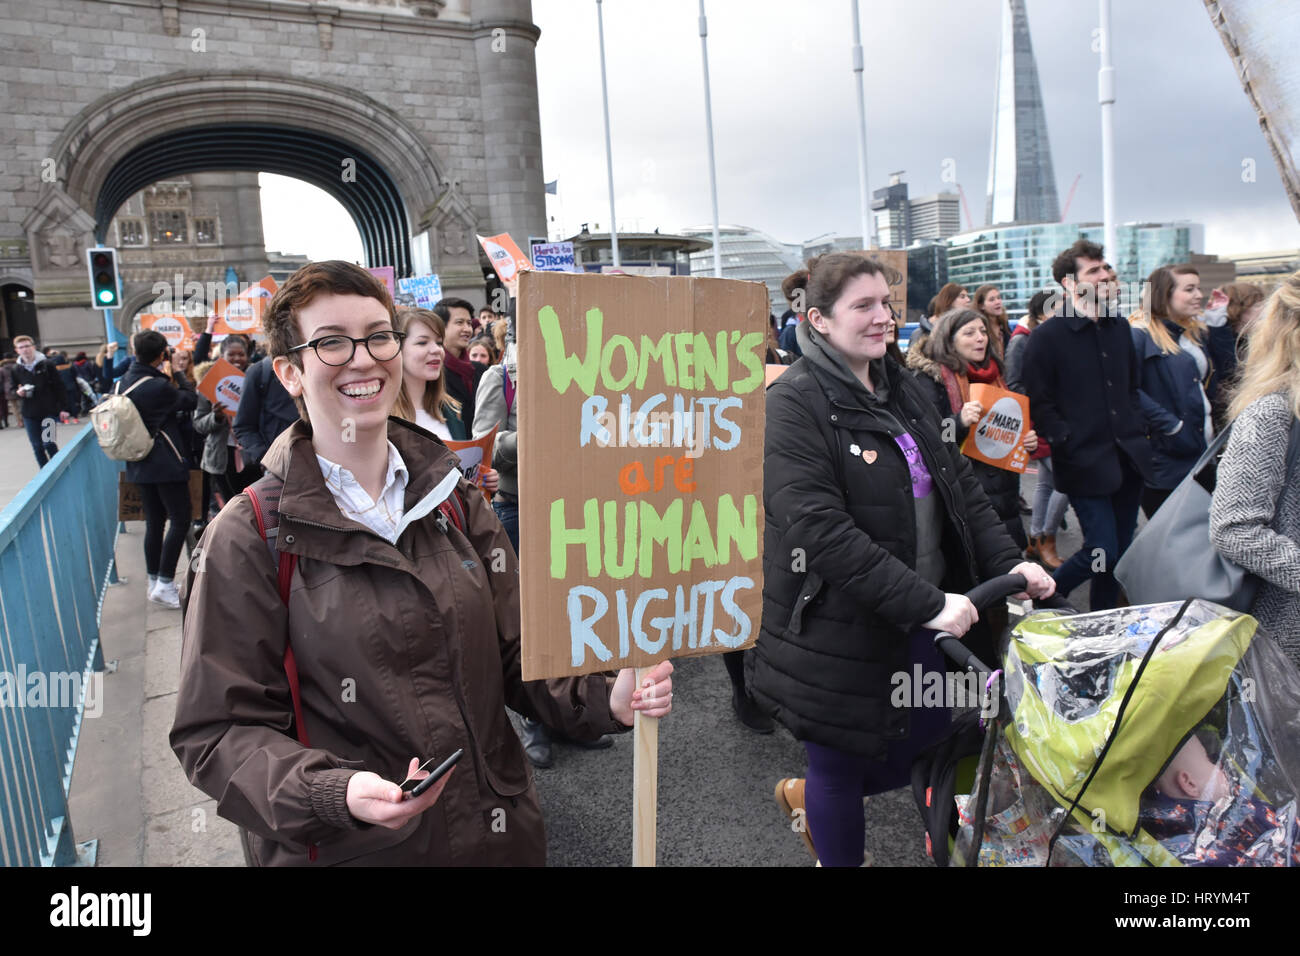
(103, 278)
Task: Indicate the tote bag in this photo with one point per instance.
(1180, 529)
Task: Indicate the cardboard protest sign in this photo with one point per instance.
(998, 438)
(172, 325)
(553, 257)
(130, 503)
(507, 259)
(475, 456)
(223, 385)
(641, 417)
(243, 315)
(426, 290)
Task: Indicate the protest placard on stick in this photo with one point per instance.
(641, 415)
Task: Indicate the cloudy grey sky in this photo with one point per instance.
(785, 114)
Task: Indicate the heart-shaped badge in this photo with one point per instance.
(869, 456)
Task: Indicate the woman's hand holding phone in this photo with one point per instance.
(372, 799)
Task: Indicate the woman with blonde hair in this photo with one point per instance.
(1255, 515)
(423, 398)
(1174, 368)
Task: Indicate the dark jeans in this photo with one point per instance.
(45, 450)
(1107, 522)
(508, 515)
(164, 501)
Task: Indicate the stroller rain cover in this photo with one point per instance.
(1202, 769)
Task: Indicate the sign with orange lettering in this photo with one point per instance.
(998, 438)
(475, 457)
(507, 259)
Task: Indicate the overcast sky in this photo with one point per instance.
(785, 115)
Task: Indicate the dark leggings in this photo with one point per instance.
(164, 501)
(837, 781)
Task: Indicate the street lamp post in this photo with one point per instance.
(609, 151)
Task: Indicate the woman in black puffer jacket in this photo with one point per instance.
(953, 358)
(873, 527)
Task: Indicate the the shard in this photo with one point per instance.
(1022, 186)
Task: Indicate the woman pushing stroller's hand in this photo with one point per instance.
(957, 617)
(1039, 584)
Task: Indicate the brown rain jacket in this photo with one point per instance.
(403, 650)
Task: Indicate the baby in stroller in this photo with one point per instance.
(1204, 818)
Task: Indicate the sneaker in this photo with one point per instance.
(165, 593)
(789, 797)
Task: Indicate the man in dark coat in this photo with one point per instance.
(1081, 376)
(43, 396)
(265, 410)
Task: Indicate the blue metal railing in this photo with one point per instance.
(56, 559)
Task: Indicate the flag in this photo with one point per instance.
(552, 187)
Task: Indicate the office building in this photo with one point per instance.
(747, 254)
(937, 216)
(1018, 258)
(891, 215)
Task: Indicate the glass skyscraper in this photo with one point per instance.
(1022, 184)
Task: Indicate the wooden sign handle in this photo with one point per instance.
(645, 782)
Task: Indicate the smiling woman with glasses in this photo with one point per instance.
(355, 614)
(339, 349)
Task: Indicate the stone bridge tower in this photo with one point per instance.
(419, 116)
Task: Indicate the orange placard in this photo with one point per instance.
(172, 325)
(998, 438)
(507, 259)
(243, 316)
(223, 385)
(773, 372)
(475, 456)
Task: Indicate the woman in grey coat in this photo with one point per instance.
(1255, 517)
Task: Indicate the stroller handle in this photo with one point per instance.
(985, 595)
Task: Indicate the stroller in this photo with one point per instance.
(1159, 735)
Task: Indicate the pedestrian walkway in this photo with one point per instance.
(17, 463)
(128, 790)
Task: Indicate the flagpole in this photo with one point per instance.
(708, 124)
(1106, 97)
(864, 196)
(609, 151)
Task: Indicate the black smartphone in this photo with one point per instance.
(438, 774)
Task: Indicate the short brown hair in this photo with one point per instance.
(333, 277)
(825, 277)
(1067, 263)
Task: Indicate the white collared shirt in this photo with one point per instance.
(383, 517)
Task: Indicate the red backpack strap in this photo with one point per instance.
(264, 495)
(454, 511)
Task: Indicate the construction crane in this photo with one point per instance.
(1065, 210)
(965, 208)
